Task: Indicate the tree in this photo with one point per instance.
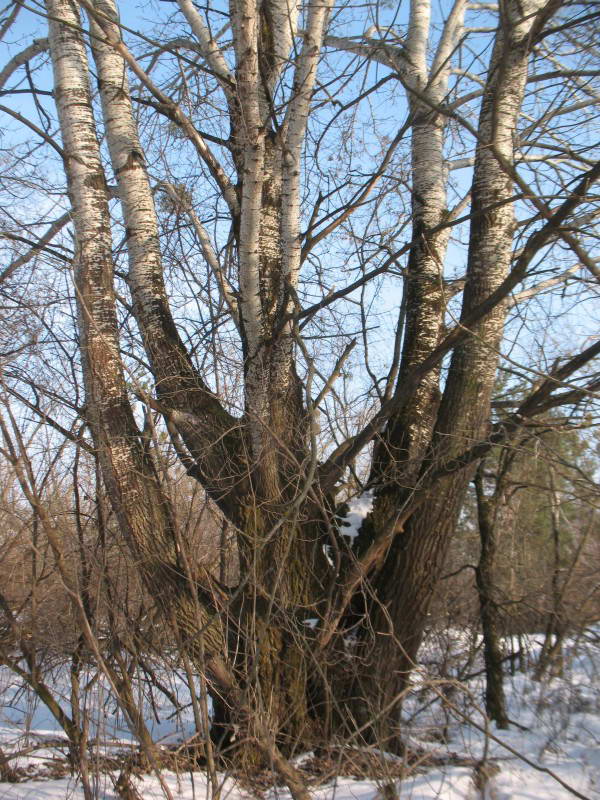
(247, 239)
(520, 496)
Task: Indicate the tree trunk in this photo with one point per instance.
(404, 584)
(144, 512)
(268, 646)
(280, 548)
(551, 656)
(402, 445)
(487, 518)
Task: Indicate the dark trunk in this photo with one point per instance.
(403, 585)
(487, 517)
(551, 656)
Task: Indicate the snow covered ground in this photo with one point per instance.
(551, 752)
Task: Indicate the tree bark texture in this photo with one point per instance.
(404, 584)
(252, 467)
(402, 445)
(260, 464)
(144, 512)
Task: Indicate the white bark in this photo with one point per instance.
(177, 115)
(128, 163)
(145, 513)
(392, 56)
(34, 49)
(86, 181)
(178, 384)
(472, 372)
(295, 127)
(107, 401)
(441, 67)
(425, 290)
(208, 46)
(245, 25)
(417, 41)
(135, 192)
(426, 89)
(282, 19)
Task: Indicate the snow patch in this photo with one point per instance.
(358, 508)
(558, 729)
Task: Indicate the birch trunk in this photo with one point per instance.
(261, 466)
(209, 432)
(268, 656)
(280, 540)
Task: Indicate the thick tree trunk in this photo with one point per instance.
(280, 538)
(280, 552)
(404, 584)
(402, 445)
(209, 432)
(144, 512)
(260, 466)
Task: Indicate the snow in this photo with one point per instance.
(558, 732)
(358, 508)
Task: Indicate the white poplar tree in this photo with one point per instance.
(257, 91)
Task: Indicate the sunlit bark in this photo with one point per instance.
(209, 432)
(260, 464)
(407, 435)
(144, 512)
(405, 582)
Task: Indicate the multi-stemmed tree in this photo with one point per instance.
(205, 159)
